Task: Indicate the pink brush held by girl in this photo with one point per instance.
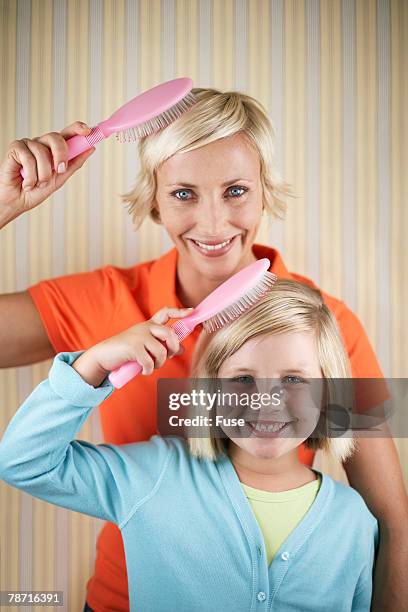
(226, 303)
(147, 113)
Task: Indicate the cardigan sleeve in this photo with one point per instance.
(39, 455)
(363, 593)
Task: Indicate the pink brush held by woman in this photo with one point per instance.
(226, 303)
(147, 113)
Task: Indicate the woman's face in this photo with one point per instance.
(210, 202)
(286, 369)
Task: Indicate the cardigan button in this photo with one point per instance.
(285, 555)
(261, 596)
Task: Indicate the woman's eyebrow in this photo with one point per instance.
(236, 180)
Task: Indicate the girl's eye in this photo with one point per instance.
(182, 192)
(243, 380)
(237, 188)
(293, 380)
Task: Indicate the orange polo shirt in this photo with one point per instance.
(80, 310)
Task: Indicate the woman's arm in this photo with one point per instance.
(375, 472)
(23, 338)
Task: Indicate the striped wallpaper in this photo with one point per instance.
(333, 75)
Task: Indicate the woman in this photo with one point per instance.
(208, 178)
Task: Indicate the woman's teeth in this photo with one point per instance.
(212, 247)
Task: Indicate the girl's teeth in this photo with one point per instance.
(269, 428)
(213, 247)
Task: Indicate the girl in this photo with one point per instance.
(236, 524)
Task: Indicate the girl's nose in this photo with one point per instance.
(278, 397)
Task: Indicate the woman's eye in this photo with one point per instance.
(237, 191)
(243, 380)
(293, 380)
(182, 192)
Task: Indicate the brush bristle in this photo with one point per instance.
(159, 122)
(181, 330)
(246, 302)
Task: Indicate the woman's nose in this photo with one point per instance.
(211, 218)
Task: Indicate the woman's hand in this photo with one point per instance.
(42, 160)
(143, 343)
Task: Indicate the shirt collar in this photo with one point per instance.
(163, 275)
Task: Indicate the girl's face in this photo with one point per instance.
(286, 369)
(210, 202)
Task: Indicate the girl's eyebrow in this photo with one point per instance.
(236, 369)
(236, 180)
(296, 371)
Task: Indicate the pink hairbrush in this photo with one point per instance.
(147, 113)
(226, 303)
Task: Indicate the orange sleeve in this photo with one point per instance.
(369, 387)
(77, 310)
(363, 361)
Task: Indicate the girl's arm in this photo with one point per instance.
(38, 453)
(374, 471)
(39, 456)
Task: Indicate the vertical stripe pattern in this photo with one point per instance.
(333, 76)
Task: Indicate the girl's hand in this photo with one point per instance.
(142, 343)
(41, 160)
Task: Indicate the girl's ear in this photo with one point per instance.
(321, 431)
(337, 426)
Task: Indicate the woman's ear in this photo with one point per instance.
(155, 213)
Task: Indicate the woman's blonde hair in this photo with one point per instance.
(215, 115)
(289, 307)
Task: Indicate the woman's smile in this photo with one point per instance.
(214, 248)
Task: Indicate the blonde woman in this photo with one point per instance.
(237, 523)
(208, 179)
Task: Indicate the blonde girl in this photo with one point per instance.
(233, 525)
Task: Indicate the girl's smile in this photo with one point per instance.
(269, 429)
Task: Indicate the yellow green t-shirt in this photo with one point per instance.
(278, 513)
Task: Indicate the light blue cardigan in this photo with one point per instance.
(192, 542)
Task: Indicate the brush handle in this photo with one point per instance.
(130, 369)
(78, 144)
(124, 373)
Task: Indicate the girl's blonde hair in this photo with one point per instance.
(215, 115)
(289, 307)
